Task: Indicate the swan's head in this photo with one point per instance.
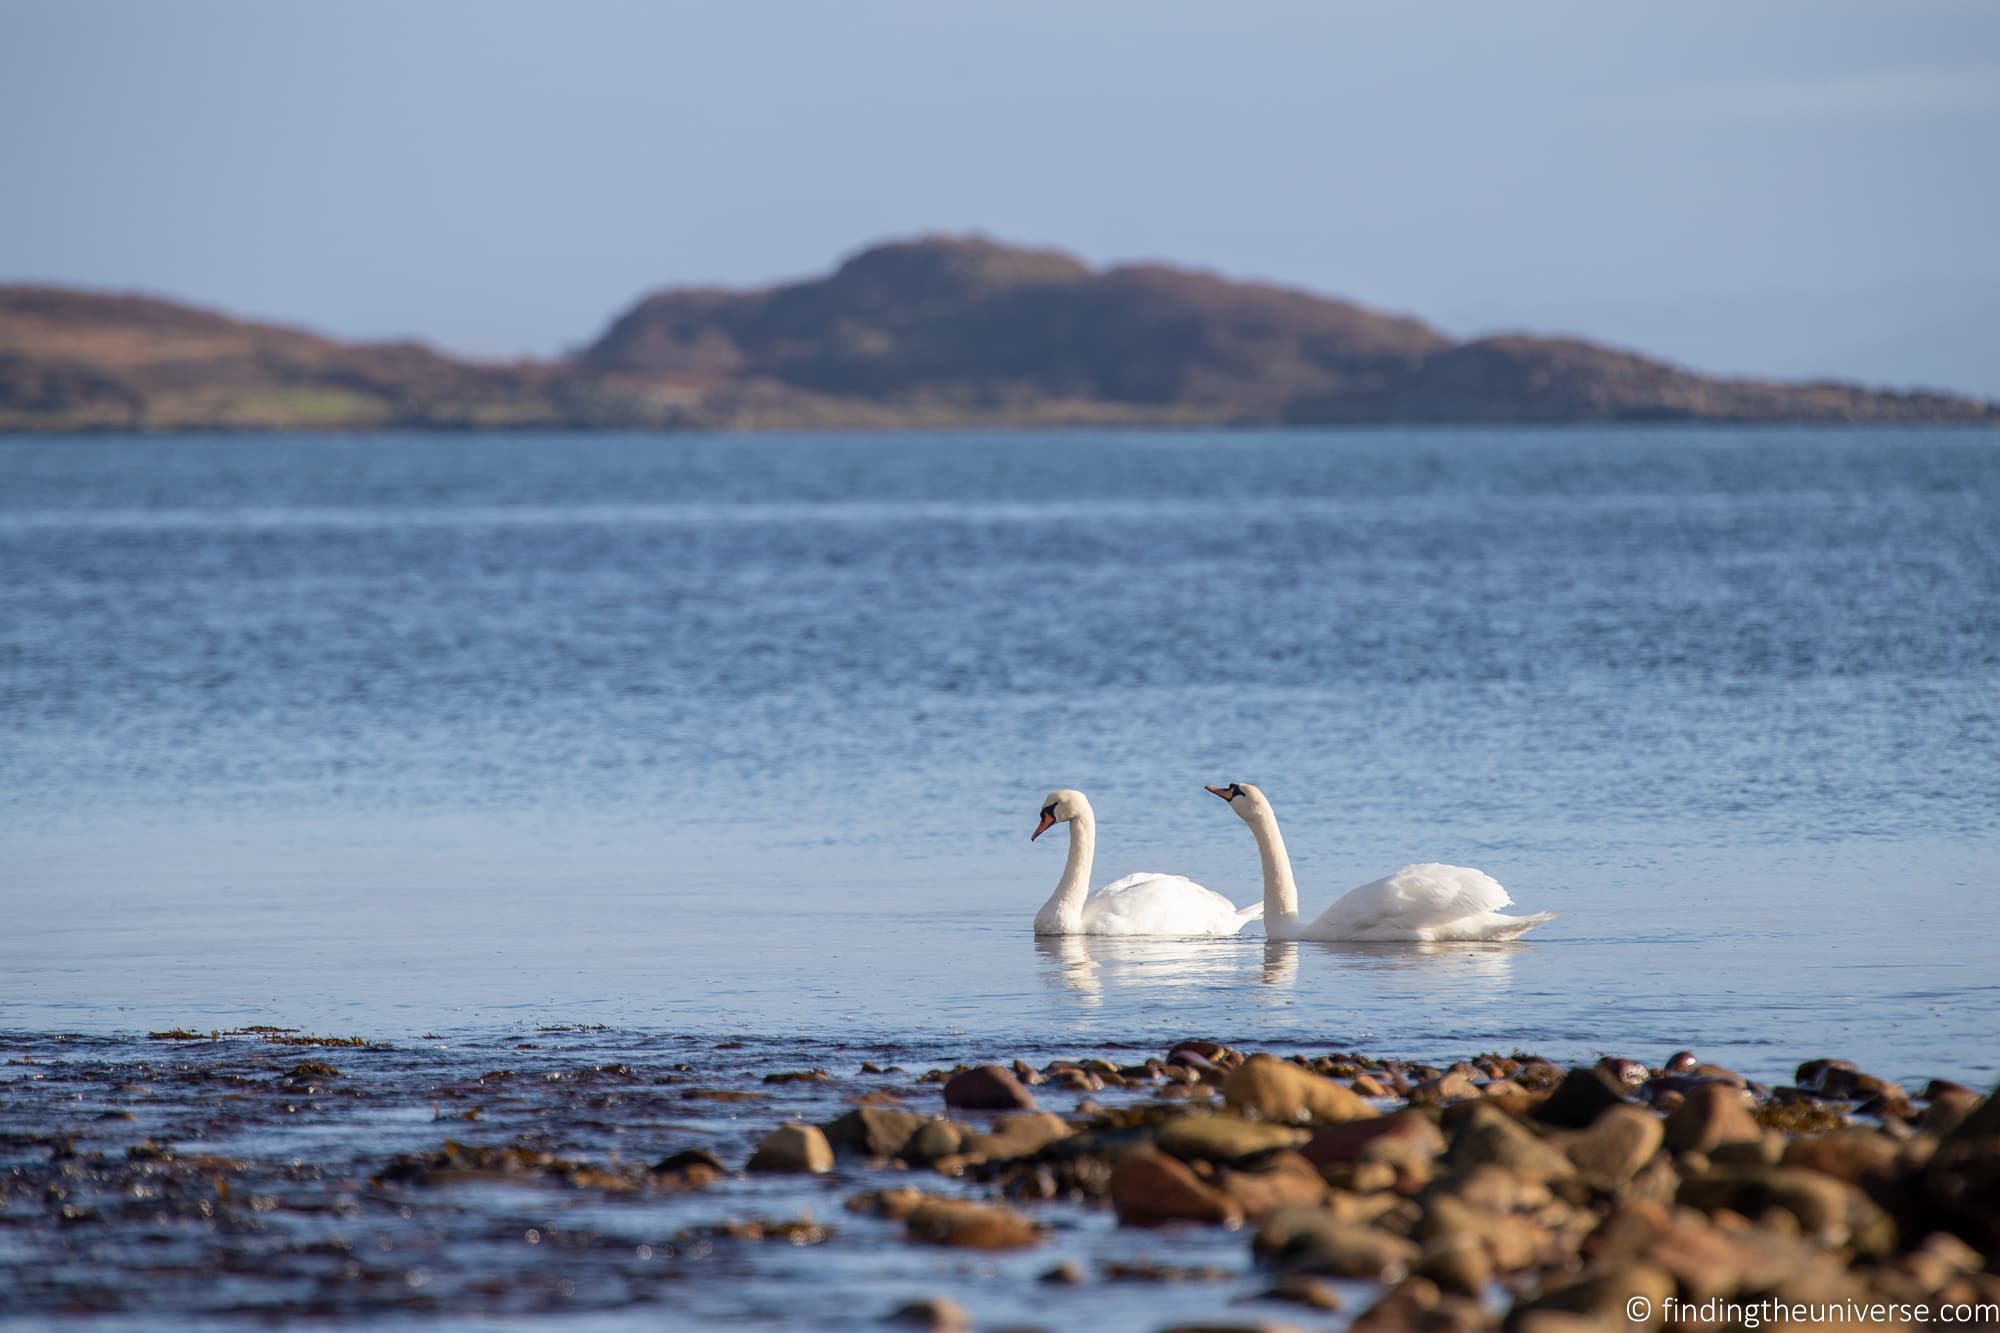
(1059, 807)
(1244, 799)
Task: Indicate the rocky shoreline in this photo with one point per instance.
(343, 1179)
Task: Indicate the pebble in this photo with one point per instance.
(968, 1225)
(793, 1148)
(1278, 1090)
(873, 1131)
(988, 1088)
(939, 1313)
(1149, 1188)
(1713, 1114)
(1582, 1096)
(1224, 1138)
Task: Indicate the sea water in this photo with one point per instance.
(745, 736)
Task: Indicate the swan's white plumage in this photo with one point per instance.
(1423, 902)
(1153, 904)
(1426, 902)
(1144, 904)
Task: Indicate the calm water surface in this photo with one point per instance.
(746, 735)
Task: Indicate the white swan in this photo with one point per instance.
(1420, 902)
(1142, 904)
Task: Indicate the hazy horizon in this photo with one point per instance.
(1788, 192)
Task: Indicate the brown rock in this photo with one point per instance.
(1493, 1136)
(1713, 1114)
(1368, 1085)
(1609, 1293)
(1457, 1262)
(1149, 1188)
(1852, 1155)
(1277, 1180)
(1275, 1089)
(872, 1131)
(1949, 1107)
(1581, 1097)
(1399, 1137)
(941, 1314)
(988, 1088)
(1617, 1144)
(968, 1225)
(1830, 1210)
(793, 1147)
(1016, 1136)
(1315, 1241)
(1300, 1289)
(1223, 1138)
(1443, 1090)
(935, 1140)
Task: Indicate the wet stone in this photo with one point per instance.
(988, 1088)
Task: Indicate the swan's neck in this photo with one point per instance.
(1062, 914)
(1281, 892)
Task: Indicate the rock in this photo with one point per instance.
(1631, 1073)
(1381, 1137)
(988, 1088)
(939, 1313)
(1852, 1155)
(935, 1140)
(1277, 1180)
(1830, 1210)
(793, 1147)
(968, 1225)
(1609, 1293)
(1457, 1262)
(1680, 1062)
(1581, 1097)
(1223, 1138)
(1278, 1090)
(1610, 1152)
(1443, 1090)
(691, 1169)
(1766, 1150)
(894, 1204)
(1712, 1115)
(873, 1131)
(1149, 1188)
(1368, 1085)
(1493, 1136)
(1315, 1241)
(1507, 1241)
(1300, 1289)
(1016, 1136)
(1026, 1073)
(1068, 1273)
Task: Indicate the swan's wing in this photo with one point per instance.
(1153, 904)
(1415, 898)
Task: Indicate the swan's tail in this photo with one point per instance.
(1245, 915)
(1512, 927)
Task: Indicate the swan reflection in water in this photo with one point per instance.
(1087, 964)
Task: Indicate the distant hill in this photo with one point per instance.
(941, 331)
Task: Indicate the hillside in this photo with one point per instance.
(940, 331)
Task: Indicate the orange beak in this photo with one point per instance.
(1048, 822)
(1223, 792)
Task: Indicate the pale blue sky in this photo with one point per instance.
(1783, 188)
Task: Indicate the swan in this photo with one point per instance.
(1142, 904)
(1420, 902)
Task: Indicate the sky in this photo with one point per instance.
(1791, 188)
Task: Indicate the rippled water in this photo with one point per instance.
(746, 735)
